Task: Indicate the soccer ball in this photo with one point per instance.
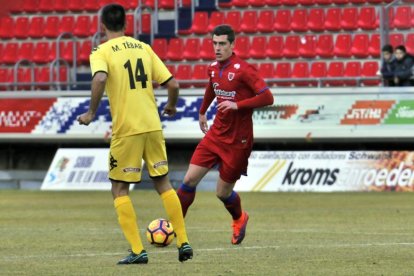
(160, 232)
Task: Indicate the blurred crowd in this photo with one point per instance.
(397, 67)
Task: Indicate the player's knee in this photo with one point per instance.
(223, 195)
(190, 180)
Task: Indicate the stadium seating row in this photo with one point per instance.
(301, 20)
(276, 47)
(46, 6)
(262, 3)
(285, 70)
(52, 26)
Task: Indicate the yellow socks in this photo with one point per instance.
(173, 207)
(128, 222)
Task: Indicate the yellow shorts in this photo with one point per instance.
(126, 154)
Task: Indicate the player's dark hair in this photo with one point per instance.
(401, 48)
(387, 48)
(113, 17)
(225, 30)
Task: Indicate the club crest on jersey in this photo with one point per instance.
(237, 66)
(212, 74)
(230, 76)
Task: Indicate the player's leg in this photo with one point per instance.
(156, 158)
(234, 164)
(119, 159)
(202, 160)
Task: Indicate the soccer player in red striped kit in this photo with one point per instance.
(228, 143)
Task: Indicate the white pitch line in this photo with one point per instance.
(334, 245)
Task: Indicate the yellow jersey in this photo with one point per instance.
(131, 66)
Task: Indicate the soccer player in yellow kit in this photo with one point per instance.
(125, 68)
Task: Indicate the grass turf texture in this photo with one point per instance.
(76, 233)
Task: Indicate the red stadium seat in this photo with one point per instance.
(91, 5)
(402, 19)
(283, 71)
(289, 2)
(207, 50)
(391, 18)
(67, 51)
(4, 77)
(357, 1)
(75, 5)
(349, 19)
(273, 3)
(343, 45)
(323, 2)
(275, 47)
(52, 27)
(340, 2)
(183, 72)
(316, 20)
(265, 21)
(374, 48)
(325, 46)
(291, 49)
(367, 18)
(67, 24)
(333, 19)
(160, 47)
(171, 68)
(307, 46)
(299, 21)
(192, 49)
(375, 1)
(240, 3)
(6, 27)
(216, 18)
(200, 73)
(42, 76)
(225, 4)
(146, 23)
(233, 18)
(129, 21)
(242, 47)
(200, 23)
(266, 70)
(175, 49)
(360, 46)
(166, 4)
(370, 69)
(37, 25)
(1, 52)
(396, 40)
(10, 52)
(335, 70)
(257, 3)
(412, 18)
(318, 70)
(85, 49)
(82, 26)
(352, 70)
(41, 52)
(249, 22)
(306, 2)
(26, 50)
(21, 27)
(282, 21)
(53, 51)
(46, 6)
(258, 47)
(30, 6)
(300, 71)
(60, 5)
(23, 76)
(94, 25)
(409, 43)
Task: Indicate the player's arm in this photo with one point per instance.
(173, 90)
(209, 96)
(97, 91)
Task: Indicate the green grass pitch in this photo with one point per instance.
(76, 233)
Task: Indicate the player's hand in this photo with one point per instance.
(85, 118)
(202, 120)
(227, 105)
(169, 110)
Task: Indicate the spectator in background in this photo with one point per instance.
(403, 67)
(388, 65)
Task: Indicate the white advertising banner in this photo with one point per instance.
(78, 169)
(329, 171)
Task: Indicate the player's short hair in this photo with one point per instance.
(225, 30)
(113, 17)
(401, 48)
(387, 48)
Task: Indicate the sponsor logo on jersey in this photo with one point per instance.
(223, 93)
(137, 170)
(161, 163)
